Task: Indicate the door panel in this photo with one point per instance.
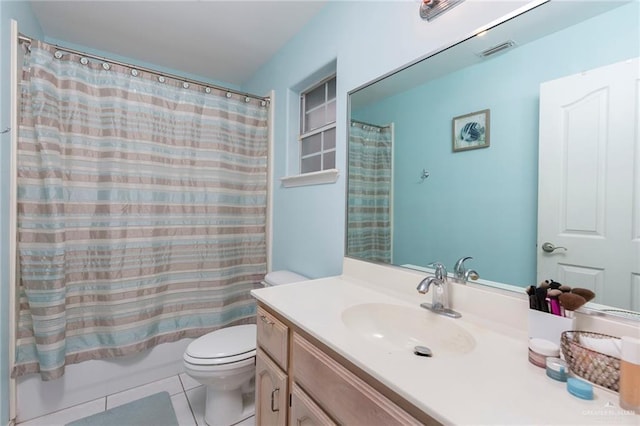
(588, 186)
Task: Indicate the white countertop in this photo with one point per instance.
(492, 384)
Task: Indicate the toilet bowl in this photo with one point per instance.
(224, 361)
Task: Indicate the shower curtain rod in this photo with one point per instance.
(25, 39)
(363, 123)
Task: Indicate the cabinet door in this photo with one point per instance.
(305, 412)
(271, 392)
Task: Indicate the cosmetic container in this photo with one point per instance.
(557, 369)
(540, 350)
(580, 388)
(630, 374)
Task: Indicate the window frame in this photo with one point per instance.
(320, 130)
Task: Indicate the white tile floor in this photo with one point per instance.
(187, 396)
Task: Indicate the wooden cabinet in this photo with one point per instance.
(342, 394)
(273, 337)
(271, 392)
(305, 412)
(298, 383)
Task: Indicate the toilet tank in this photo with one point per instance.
(282, 277)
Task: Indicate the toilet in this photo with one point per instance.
(224, 361)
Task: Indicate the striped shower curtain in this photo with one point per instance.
(142, 204)
(369, 192)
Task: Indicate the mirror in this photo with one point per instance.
(415, 197)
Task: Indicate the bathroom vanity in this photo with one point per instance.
(340, 350)
(321, 385)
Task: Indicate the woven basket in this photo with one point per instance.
(598, 368)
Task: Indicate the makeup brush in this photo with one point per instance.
(586, 293)
(554, 285)
(544, 284)
(570, 302)
(554, 304)
(564, 288)
(541, 295)
(533, 301)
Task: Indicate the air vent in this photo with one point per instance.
(498, 48)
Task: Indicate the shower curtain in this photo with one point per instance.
(369, 192)
(141, 210)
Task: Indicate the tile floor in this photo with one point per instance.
(187, 396)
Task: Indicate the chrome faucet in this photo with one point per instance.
(471, 274)
(463, 274)
(440, 298)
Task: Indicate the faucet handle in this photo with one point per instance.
(471, 274)
(441, 270)
(459, 270)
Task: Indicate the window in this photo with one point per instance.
(318, 127)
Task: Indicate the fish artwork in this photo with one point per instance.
(472, 132)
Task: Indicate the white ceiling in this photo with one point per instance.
(536, 23)
(227, 41)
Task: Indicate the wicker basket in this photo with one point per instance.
(598, 368)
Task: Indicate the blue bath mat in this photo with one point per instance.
(154, 410)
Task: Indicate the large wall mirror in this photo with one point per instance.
(522, 135)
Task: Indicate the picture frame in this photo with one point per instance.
(471, 131)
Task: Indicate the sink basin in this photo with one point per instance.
(403, 327)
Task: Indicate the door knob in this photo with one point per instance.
(550, 248)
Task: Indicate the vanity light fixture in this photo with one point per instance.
(431, 9)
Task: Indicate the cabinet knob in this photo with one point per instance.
(266, 320)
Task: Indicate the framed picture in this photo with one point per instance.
(471, 131)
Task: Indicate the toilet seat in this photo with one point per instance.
(219, 361)
(223, 346)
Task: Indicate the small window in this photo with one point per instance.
(318, 127)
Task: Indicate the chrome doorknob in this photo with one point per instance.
(550, 248)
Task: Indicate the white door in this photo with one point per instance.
(589, 182)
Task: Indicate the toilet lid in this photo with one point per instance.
(224, 343)
(283, 277)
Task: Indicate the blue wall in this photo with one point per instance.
(21, 12)
(483, 203)
(366, 39)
